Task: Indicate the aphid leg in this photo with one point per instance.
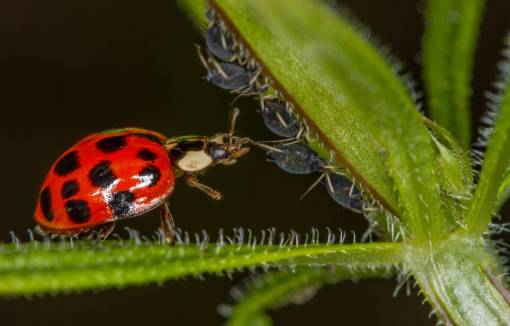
(330, 184)
(167, 223)
(262, 145)
(323, 174)
(104, 231)
(201, 57)
(218, 68)
(193, 182)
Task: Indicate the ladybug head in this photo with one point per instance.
(226, 148)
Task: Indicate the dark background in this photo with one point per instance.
(70, 68)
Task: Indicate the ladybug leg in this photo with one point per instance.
(167, 223)
(193, 182)
(105, 230)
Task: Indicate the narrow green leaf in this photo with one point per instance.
(504, 190)
(276, 289)
(355, 72)
(49, 268)
(454, 162)
(496, 162)
(326, 113)
(454, 166)
(449, 44)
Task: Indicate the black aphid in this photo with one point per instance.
(230, 76)
(278, 118)
(220, 44)
(296, 159)
(343, 191)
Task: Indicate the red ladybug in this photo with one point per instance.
(122, 173)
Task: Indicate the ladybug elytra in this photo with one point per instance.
(122, 173)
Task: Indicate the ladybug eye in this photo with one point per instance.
(217, 151)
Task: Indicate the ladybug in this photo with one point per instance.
(122, 173)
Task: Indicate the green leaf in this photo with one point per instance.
(449, 44)
(504, 190)
(276, 289)
(496, 162)
(327, 114)
(49, 268)
(354, 72)
(453, 161)
(454, 166)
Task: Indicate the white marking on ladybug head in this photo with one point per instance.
(194, 161)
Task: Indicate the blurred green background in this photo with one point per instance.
(70, 68)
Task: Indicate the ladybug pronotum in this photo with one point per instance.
(122, 173)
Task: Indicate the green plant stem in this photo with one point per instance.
(35, 268)
(448, 54)
(276, 289)
(462, 282)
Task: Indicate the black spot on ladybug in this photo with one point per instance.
(102, 175)
(176, 154)
(149, 137)
(146, 155)
(69, 189)
(78, 210)
(45, 200)
(152, 173)
(194, 145)
(111, 144)
(121, 203)
(67, 164)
